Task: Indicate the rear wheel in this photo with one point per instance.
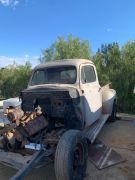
(71, 156)
(112, 118)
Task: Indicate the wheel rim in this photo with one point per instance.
(78, 162)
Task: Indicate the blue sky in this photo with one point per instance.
(27, 26)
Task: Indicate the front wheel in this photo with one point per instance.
(71, 156)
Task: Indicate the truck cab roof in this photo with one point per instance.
(74, 62)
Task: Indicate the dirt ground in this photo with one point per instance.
(119, 135)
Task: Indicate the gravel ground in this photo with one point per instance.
(119, 135)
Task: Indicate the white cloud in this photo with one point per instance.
(108, 29)
(16, 3)
(5, 60)
(11, 3)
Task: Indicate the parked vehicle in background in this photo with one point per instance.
(12, 102)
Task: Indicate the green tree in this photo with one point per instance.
(117, 66)
(107, 60)
(128, 74)
(14, 79)
(66, 48)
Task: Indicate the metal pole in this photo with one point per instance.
(25, 169)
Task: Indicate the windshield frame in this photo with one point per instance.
(47, 67)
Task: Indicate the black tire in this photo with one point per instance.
(71, 156)
(113, 118)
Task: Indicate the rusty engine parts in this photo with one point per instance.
(28, 127)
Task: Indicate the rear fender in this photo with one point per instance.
(108, 98)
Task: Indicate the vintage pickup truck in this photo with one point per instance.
(62, 110)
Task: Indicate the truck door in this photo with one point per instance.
(92, 100)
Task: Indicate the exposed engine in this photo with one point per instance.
(26, 128)
(28, 123)
(61, 105)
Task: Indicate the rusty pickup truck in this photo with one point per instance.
(62, 110)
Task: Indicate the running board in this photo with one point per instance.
(92, 131)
